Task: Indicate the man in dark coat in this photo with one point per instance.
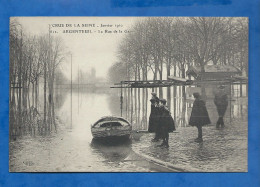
(152, 118)
(167, 123)
(221, 102)
(199, 115)
(153, 121)
(156, 121)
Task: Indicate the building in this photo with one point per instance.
(207, 84)
(213, 72)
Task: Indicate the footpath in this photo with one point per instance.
(223, 150)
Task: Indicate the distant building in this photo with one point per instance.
(93, 74)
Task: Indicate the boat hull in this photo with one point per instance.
(104, 134)
(111, 127)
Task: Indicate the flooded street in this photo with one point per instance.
(72, 148)
(67, 152)
(102, 96)
(222, 150)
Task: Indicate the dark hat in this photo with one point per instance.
(163, 101)
(196, 94)
(152, 100)
(153, 93)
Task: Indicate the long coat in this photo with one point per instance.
(153, 119)
(166, 119)
(221, 102)
(199, 114)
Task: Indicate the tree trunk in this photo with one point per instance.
(44, 95)
(169, 88)
(143, 100)
(155, 75)
(135, 93)
(203, 89)
(161, 74)
(174, 93)
(36, 93)
(139, 103)
(183, 87)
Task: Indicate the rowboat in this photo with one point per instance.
(111, 127)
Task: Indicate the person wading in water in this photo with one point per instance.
(199, 115)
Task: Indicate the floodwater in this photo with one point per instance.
(71, 148)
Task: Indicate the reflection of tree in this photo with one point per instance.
(32, 58)
(114, 103)
(60, 96)
(183, 113)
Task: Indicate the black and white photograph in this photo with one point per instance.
(128, 94)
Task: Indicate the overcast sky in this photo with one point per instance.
(94, 49)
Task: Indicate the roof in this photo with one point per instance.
(214, 69)
(178, 79)
(152, 83)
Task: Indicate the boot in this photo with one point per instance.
(222, 123)
(155, 140)
(163, 144)
(198, 140)
(166, 145)
(218, 123)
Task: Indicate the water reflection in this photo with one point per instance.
(72, 147)
(112, 150)
(88, 105)
(136, 106)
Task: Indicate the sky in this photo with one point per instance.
(95, 49)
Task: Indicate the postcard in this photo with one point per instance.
(128, 94)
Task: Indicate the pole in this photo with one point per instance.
(71, 90)
(121, 100)
(20, 82)
(78, 88)
(230, 100)
(131, 106)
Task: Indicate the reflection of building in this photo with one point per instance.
(208, 82)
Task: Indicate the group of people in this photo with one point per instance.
(161, 121)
